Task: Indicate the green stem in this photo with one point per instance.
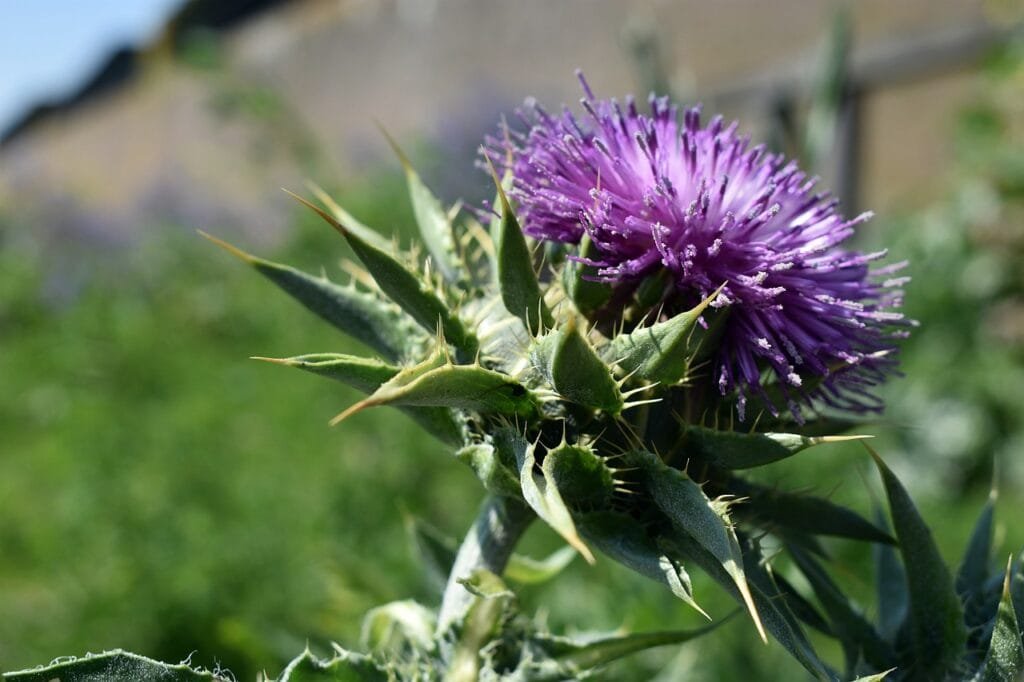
(499, 525)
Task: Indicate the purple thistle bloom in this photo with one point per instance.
(654, 194)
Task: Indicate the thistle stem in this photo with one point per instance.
(499, 525)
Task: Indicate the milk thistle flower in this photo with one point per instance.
(698, 204)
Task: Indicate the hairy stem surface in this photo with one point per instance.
(499, 525)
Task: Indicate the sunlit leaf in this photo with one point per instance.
(735, 450)
(408, 289)
(936, 617)
(113, 665)
(1004, 661)
(361, 315)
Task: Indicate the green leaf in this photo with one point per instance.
(803, 609)
(1004, 661)
(734, 450)
(517, 281)
(658, 353)
(541, 493)
(366, 233)
(890, 588)
(393, 626)
(582, 477)
(363, 374)
(362, 316)
(491, 601)
(112, 665)
(576, 371)
(435, 550)
(877, 677)
(692, 513)
(465, 387)
(707, 340)
(974, 568)
(409, 290)
(435, 226)
(577, 278)
(367, 375)
(779, 620)
(858, 637)
(936, 617)
(586, 656)
(487, 585)
(344, 667)
(769, 507)
(527, 571)
(486, 462)
(625, 540)
(768, 598)
(1017, 590)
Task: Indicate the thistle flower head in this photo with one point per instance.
(696, 203)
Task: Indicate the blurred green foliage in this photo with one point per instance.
(962, 403)
(161, 493)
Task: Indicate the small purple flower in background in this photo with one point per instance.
(654, 193)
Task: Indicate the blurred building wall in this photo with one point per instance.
(296, 91)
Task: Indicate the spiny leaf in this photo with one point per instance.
(483, 583)
(779, 620)
(528, 571)
(364, 374)
(491, 601)
(112, 665)
(692, 513)
(576, 372)
(769, 600)
(435, 226)
(584, 657)
(974, 568)
(541, 493)
(368, 375)
(346, 666)
(362, 316)
(397, 624)
(803, 609)
(936, 617)
(707, 340)
(465, 387)
(581, 476)
(734, 450)
(517, 280)
(805, 513)
(435, 550)
(577, 278)
(877, 677)
(1017, 589)
(855, 633)
(624, 539)
(657, 353)
(1004, 661)
(486, 462)
(437, 554)
(890, 587)
(367, 234)
(409, 290)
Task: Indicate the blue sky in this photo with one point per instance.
(47, 47)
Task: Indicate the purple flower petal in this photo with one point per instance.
(655, 193)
